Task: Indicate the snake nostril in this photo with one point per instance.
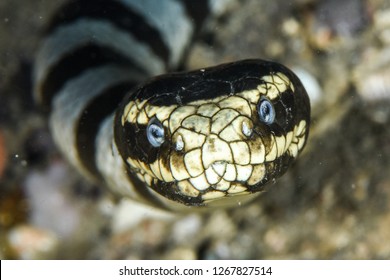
(179, 145)
(247, 129)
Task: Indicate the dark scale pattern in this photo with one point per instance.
(212, 82)
(117, 14)
(88, 125)
(72, 65)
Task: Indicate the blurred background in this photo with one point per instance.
(332, 204)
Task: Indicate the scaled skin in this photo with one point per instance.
(216, 147)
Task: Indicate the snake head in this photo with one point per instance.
(216, 135)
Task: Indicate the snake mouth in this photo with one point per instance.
(220, 179)
(219, 167)
(224, 171)
(219, 175)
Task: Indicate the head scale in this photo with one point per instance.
(210, 134)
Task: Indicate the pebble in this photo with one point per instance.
(181, 253)
(221, 7)
(50, 206)
(311, 85)
(331, 14)
(276, 239)
(187, 228)
(129, 214)
(29, 242)
(372, 75)
(382, 25)
(220, 225)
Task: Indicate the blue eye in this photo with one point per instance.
(155, 133)
(266, 111)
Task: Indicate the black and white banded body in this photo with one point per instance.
(207, 137)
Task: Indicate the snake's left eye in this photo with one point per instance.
(266, 111)
(155, 132)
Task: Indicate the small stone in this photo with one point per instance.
(29, 242)
(181, 253)
(186, 228)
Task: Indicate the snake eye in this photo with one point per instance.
(155, 132)
(266, 111)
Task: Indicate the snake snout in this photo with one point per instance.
(215, 151)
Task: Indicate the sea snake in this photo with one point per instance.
(208, 137)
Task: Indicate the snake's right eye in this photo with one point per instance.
(155, 132)
(266, 111)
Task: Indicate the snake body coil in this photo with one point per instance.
(205, 137)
